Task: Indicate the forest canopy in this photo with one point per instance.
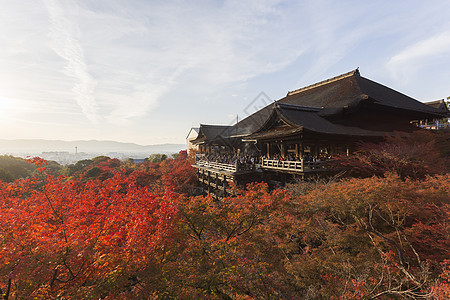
(117, 230)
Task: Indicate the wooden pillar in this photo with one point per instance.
(268, 150)
(209, 182)
(296, 149)
(217, 181)
(224, 184)
(282, 148)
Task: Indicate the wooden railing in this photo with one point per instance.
(289, 165)
(218, 166)
(282, 165)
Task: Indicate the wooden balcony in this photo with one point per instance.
(232, 168)
(300, 166)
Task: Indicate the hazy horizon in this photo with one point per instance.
(145, 72)
(87, 140)
(66, 152)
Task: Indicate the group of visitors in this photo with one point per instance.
(288, 157)
(245, 161)
(249, 162)
(294, 157)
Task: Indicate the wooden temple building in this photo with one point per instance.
(436, 124)
(295, 136)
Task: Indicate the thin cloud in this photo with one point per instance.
(332, 31)
(67, 46)
(135, 65)
(411, 59)
(165, 46)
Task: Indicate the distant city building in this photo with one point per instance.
(138, 160)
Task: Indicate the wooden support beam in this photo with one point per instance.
(224, 185)
(209, 182)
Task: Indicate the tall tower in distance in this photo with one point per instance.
(76, 150)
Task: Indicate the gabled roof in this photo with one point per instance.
(332, 98)
(305, 119)
(350, 90)
(212, 132)
(194, 129)
(439, 104)
(388, 97)
(346, 92)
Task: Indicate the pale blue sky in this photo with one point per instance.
(146, 71)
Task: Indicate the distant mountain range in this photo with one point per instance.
(39, 146)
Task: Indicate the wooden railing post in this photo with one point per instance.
(224, 185)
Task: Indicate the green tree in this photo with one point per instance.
(157, 158)
(18, 167)
(71, 169)
(94, 172)
(101, 158)
(5, 175)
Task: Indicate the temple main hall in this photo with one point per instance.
(296, 135)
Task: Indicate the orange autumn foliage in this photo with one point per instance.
(69, 238)
(412, 156)
(138, 233)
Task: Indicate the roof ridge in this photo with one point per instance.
(336, 78)
(214, 125)
(298, 107)
(435, 101)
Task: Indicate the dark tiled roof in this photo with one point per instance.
(212, 132)
(344, 93)
(439, 104)
(335, 92)
(195, 129)
(270, 134)
(312, 121)
(388, 97)
(306, 119)
(253, 122)
(350, 90)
